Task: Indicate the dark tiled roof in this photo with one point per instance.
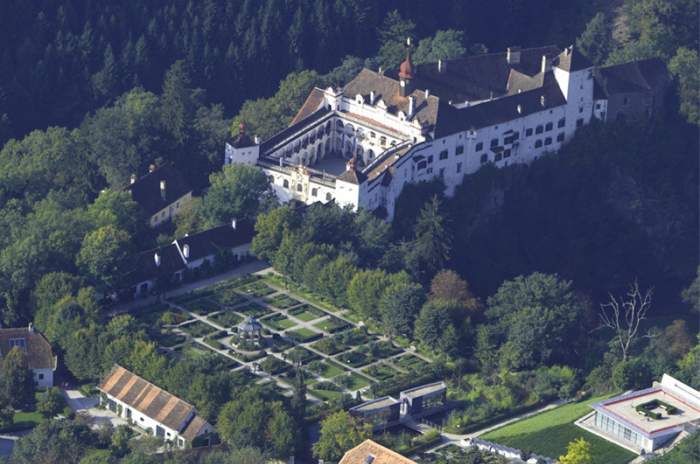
(37, 348)
(498, 110)
(387, 89)
(352, 176)
(143, 265)
(636, 76)
(146, 398)
(572, 60)
(201, 244)
(477, 77)
(223, 237)
(312, 103)
(146, 191)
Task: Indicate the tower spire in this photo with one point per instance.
(406, 71)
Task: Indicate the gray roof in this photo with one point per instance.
(250, 324)
(499, 110)
(572, 60)
(635, 76)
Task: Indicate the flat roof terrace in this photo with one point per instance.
(624, 407)
(378, 404)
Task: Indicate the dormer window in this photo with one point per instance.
(20, 342)
(359, 99)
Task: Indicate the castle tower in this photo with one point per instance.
(406, 71)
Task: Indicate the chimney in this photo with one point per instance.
(427, 93)
(513, 55)
(442, 66)
(186, 250)
(132, 179)
(30, 328)
(411, 106)
(151, 167)
(233, 223)
(380, 71)
(546, 64)
(156, 259)
(543, 101)
(520, 109)
(256, 140)
(162, 189)
(371, 97)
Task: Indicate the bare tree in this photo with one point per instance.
(625, 315)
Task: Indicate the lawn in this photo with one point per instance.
(257, 289)
(352, 381)
(409, 362)
(278, 322)
(23, 421)
(327, 395)
(197, 328)
(299, 354)
(548, 434)
(332, 324)
(381, 371)
(327, 369)
(226, 318)
(306, 313)
(281, 301)
(201, 306)
(252, 309)
(304, 335)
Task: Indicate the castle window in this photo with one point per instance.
(19, 342)
(443, 155)
(484, 158)
(314, 192)
(579, 122)
(506, 153)
(580, 109)
(548, 141)
(442, 172)
(459, 167)
(538, 143)
(560, 137)
(516, 135)
(285, 183)
(479, 146)
(498, 156)
(539, 129)
(422, 165)
(597, 106)
(549, 126)
(382, 140)
(494, 143)
(430, 159)
(373, 135)
(430, 170)
(459, 150)
(561, 122)
(528, 132)
(328, 196)
(625, 100)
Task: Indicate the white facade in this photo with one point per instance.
(393, 148)
(43, 377)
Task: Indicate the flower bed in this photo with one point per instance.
(306, 313)
(332, 325)
(197, 329)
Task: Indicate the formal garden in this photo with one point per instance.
(252, 324)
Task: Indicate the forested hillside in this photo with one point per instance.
(59, 60)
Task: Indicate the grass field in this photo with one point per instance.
(548, 434)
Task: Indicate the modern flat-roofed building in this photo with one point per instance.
(645, 420)
(151, 408)
(380, 413)
(423, 399)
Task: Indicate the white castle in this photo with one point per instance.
(360, 144)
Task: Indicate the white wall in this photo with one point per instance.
(246, 155)
(43, 377)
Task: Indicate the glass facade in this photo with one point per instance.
(612, 427)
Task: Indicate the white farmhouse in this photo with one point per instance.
(360, 144)
(41, 359)
(152, 408)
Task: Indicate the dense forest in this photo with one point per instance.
(490, 282)
(59, 60)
